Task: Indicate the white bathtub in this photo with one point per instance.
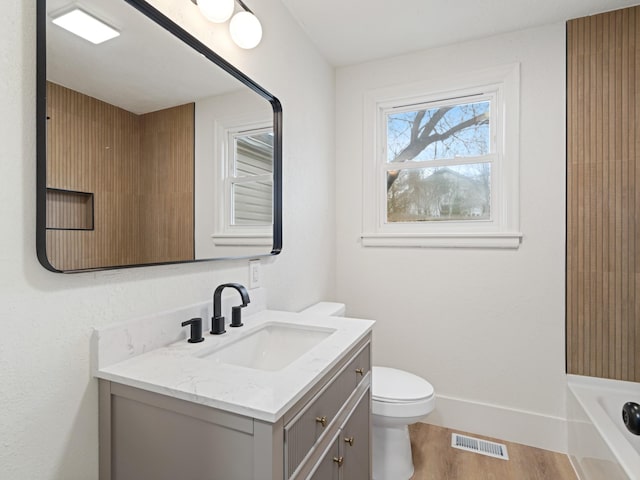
(600, 447)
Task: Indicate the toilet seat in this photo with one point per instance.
(390, 385)
(399, 394)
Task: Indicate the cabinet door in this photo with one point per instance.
(355, 441)
(328, 467)
(303, 431)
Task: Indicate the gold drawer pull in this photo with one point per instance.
(322, 421)
(360, 371)
(339, 460)
(349, 440)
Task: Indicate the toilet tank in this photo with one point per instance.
(330, 309)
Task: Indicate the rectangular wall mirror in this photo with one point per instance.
(152, 149)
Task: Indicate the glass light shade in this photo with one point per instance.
(217, 11)
(245, 30)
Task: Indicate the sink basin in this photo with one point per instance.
(270, 347)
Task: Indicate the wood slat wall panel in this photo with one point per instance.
(99, 148)
(167, 186)
(603, 328)
(93, 147)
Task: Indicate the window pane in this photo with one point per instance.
(439, 133)
(254, 154)
(252, 203)
(460, 192)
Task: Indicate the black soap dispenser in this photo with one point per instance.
(196, 329)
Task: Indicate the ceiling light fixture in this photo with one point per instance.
(245, 28)
(85, 25)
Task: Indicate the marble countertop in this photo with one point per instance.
(178, 371)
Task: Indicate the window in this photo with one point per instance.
(250, 178)
(242, 190)
(439, 158)
(441, 169)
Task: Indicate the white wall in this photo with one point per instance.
(486, 327)
(48, 402)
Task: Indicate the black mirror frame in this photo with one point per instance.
(41, 133)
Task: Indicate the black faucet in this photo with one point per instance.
(217, 321)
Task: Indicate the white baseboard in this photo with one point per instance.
(519, 426)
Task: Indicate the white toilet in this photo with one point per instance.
(399, 399)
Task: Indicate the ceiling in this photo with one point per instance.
(143, 70)
(353, 31)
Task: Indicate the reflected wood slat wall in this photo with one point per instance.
(603, 325)
(98, 148)
(93, 147)
(167, 186)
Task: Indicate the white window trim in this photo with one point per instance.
(252, 239)
(226, 234)
(502, 231)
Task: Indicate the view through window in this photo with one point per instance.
(438, 161)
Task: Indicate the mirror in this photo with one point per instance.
(152, 149)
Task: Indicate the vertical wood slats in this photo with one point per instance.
(603, 202)
(167, 153)
(69, 210)
(99, 148)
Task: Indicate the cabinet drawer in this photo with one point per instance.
(315, 418)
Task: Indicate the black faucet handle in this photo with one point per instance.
(236, 316)
(196, 329)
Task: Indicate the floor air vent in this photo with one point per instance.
(483, 447)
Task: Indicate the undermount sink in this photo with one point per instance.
(270, 347)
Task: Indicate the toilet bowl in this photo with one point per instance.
(398, 399)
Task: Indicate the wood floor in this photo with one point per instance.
(435, 459)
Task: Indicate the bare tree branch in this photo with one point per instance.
(421, 138)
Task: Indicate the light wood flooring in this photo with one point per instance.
(435, 459)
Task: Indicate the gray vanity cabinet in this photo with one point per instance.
(328, 467)
(347, 457)
(356, 442)
(146, 435)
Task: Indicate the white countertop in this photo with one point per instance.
(177, 371)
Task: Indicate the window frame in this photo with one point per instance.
(501, 84)
(232, 178)
(492, 158)
(226, 233)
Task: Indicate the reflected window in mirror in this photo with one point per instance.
(245, 186)
(249, 180)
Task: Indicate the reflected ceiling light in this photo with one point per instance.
(245, 28)
(86, 26)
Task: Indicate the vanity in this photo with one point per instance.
(287, 396)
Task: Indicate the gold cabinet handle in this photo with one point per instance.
(339, 460)
(349, 440)
(322, 421)
(360, 371)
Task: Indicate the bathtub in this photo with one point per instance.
(600, 447)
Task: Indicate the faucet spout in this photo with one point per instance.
(217, 322)
(217, 296)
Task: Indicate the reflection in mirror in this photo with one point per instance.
(250, 178)
(152, 153)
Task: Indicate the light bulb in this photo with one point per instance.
(217, 11)
(245, 30)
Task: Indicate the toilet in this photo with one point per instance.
(398, 399)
